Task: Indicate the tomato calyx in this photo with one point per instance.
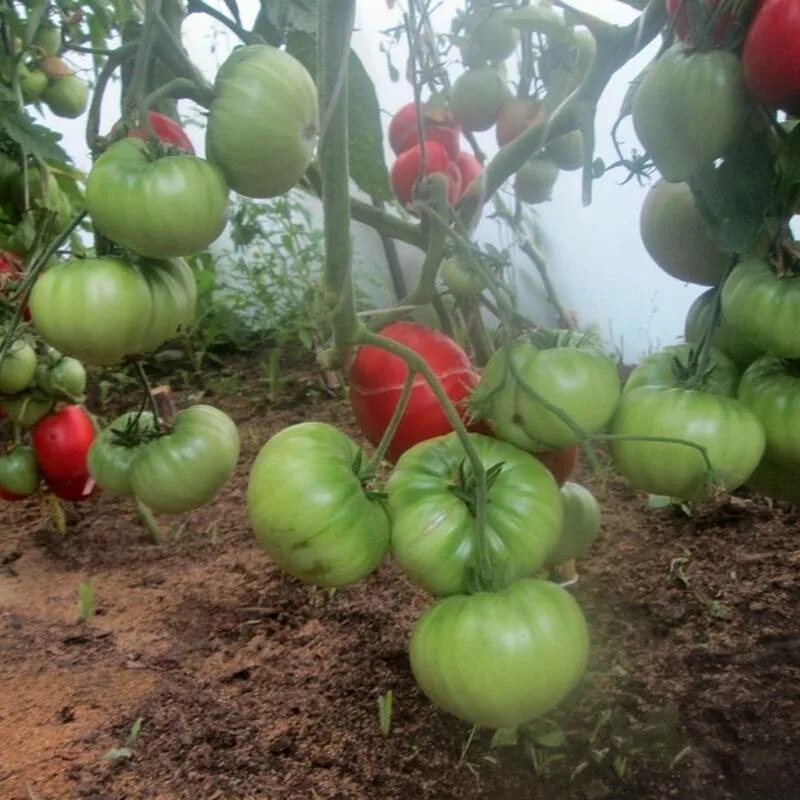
(140, 429)
(465, 485)
(554, 338)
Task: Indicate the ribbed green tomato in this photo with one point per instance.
(115, 449)
(433, 518)
(535, 180)
(19, 473)
(689, 109)
(501, 659)
(476, 97)
(461, 277)
(263, 122)
(725, 337)
(676, 235)
(770, 388)
(17, 367)
(309, 510)
(28, 408)
(157, 207)
(63, 377)
(763, 307)
(732, 435)
(581, 381)
(582, 518)
(67, 96)
(185, 468)
(669, 367)
(101, 310)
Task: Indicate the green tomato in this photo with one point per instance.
(770, 388)
(64, 378)
(582, 519)
(101, 310)
(677, 237)
(115, 449)
(764, 308)
(19, 473)
(670, 368)
(461, 277)
(476, 97)
(27, 409)
(780, 481)
(580, 381)
(309, 510)
(32, 83)
(48, 38)
(689, 109)
(567, 151)
(433, 518)
(731, 434)
(535, 180)
(9, 169)
(160, 208)
(185, 468)
(67, 96)
(263, 122)
(490, 35)
(17, 368)
(500, 659)
(725, 337)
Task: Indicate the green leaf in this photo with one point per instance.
(367, 164)
(118, 753)
(504, 737)
(545, 733)
(33, 138)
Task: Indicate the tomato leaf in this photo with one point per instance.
(504, 737)
(367, 164)
(33, 138)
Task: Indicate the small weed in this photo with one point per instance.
(126, 751)
(385, 703)
(85, 601)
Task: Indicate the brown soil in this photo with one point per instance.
(251, 686)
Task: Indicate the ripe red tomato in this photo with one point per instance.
(561, 463)
(404, 131)
(376, 382)
(470, 168)
(61, 442)
(772, 55)
(405, 170)
(685, 31)
(76, 489)
(169, 131)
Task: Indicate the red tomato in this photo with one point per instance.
(61, 442)
(561, 463)
(75, 489)
(169, 131)
(376, 382)
(683, 27)
(10, 496)
(404, 131)
(405, 170)
(772, 55)
(470, 168)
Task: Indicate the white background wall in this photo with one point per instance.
(599, 265)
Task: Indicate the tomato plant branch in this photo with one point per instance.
(115, 60)
(372, 465)
(248, 37)
(149, 520)
(151, 400)
(335, 28)
(176, 89)
(141, 67)
(386, 224)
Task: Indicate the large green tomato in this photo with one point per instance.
(432, 508)
(770, 388)
(501, 659)
(670, 368)
(263, 122)
(157, 207)
(689, 109)
(185, 468)
(476, 97)
(580, 380)
(19, 473)
(763, 307)
(28, 408)
(677, 237)
(114, 450)
(725, 337)
(582, 518)
(101, 310)
(732, 435)
(309, 510)
(67, 96)
(17, 368)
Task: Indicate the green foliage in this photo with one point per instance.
(85, 601)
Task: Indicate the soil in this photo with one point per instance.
(245, 684)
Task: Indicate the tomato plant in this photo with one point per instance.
(535, 180)
(498, 659)
(404, 130)
(18, 368)
(462, 278)
(67, 96)
(309, 509)
(693, 30)
(432, 509)
(376, 383)
(61, 441)
(476, 97)
(116, 447)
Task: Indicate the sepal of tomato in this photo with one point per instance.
(499, 659)
(433, 513)
(309, 509)
(62, 441)
(113, 452)
(377, 378)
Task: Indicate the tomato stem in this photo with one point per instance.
(372, 465)
(142, 375)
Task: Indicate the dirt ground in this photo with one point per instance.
(251, 686)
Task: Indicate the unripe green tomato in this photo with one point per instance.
(67, 96)
(476, 97)
(65, 379)
(582, 519)
(19, 473)
(461, 277)
(27, 409)
(116, 448)
(535, 180)
(48, 38)
(32, 83)
(491, 35)
(9, 169)
(567, 151)
(17, 368)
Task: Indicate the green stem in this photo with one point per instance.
(149, 520)
(115, 60)
(372, 465)
(335, 28)
(176, 89)
(248, 37)
(142, 375)
(142, 65)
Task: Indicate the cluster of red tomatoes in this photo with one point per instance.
(500, 646)
(739, 400)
